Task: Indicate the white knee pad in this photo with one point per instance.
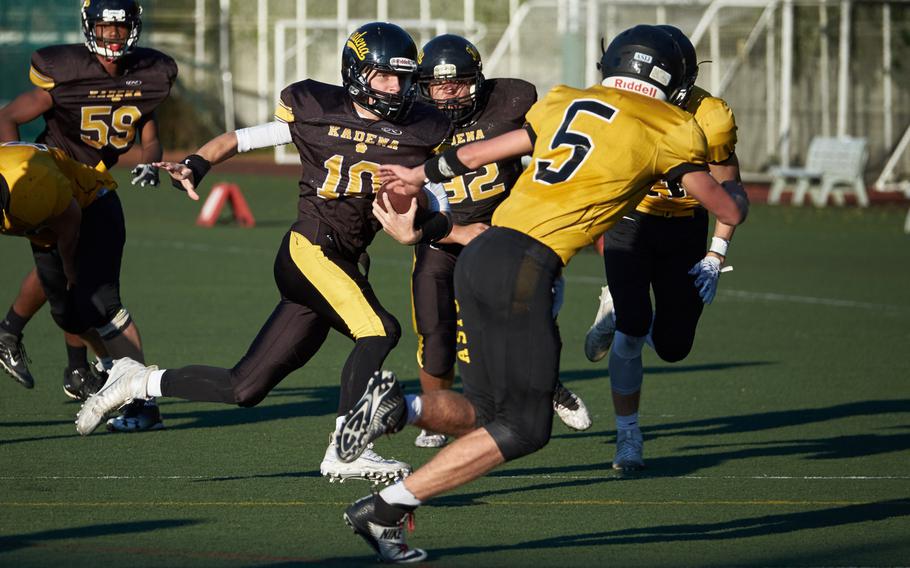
(115, 327)
(626, 370)
(626, 346)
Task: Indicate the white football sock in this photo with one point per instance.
(398, 494)
(153, 386)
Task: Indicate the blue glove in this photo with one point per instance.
(145, 174)
(706, 272)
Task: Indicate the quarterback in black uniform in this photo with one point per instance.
(660, 247)
(450, 75)
(97, 100)
(596, 153)
(342, 134)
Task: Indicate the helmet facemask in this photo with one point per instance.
(459, 109)
(111, 49)
(390, 106)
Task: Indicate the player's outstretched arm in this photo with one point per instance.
(188, 174)
(457, 161)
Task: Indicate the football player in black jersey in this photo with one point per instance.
(97, 99)
(450, 75)
(660, 248)
(596, 153)
(342, 134)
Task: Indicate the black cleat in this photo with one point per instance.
(380, 410)
(79, 384)
(13, 359)
(387, 540)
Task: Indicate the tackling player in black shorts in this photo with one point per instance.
(97, 100)
(596, 152)
(342, 134)
(450, 75)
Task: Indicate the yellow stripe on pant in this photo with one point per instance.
(339, 289)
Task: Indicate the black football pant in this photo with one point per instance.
(508, 345)
(645, 252)
(95, 300)
(433, 306)
(321, 289)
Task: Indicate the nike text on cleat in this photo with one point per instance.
(380, 410)
(387, 540)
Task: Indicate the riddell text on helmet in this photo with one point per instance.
(636, 86)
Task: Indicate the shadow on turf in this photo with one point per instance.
(600, 371)
(43, 538)
(788, 523)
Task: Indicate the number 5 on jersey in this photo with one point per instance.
(575, 141)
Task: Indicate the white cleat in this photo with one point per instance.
(427, 439)
(126, 382)
(629, 450)
(600, 336)
(369, 466)
(570, 408)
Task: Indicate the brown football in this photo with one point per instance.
(401, 202)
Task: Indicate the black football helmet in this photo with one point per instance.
(126, 12)
(649, 54)
(452, 58)
(380, 46)
(690, 59)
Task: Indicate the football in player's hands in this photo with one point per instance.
(401, 202)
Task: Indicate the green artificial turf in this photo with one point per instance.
(782, 440)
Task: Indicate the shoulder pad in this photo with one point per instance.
(55, 64)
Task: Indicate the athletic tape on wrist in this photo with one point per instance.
(719, 246)
(198, 165)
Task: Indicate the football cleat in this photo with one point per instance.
(369, 466)
(629, 450)
(387, 540)
(570, 408)
(600, 336)
(79, 384)
(380, 410)
(138, 416)
(126, 382)
(427, 439)
(14, 360)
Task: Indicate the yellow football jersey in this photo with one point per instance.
(597, 153)
(716, 120)
(41, 182)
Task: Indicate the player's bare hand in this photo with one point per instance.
(464, 234)
(400, 226)
(182, 176)
(400, 178)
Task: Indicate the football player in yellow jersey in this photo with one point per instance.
(43, 194)
(596, 153)
(660, 248)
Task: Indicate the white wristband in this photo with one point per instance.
(719, 246)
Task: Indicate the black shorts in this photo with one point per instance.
(508, 345)
(433, 306)
(646, 252)
(96, 298)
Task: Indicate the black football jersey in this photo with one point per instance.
(475, 195)
(96, 117)
(341, 153)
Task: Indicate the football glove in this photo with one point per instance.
(706, 272)
(145, 174)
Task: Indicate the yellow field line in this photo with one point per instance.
(592, 502)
